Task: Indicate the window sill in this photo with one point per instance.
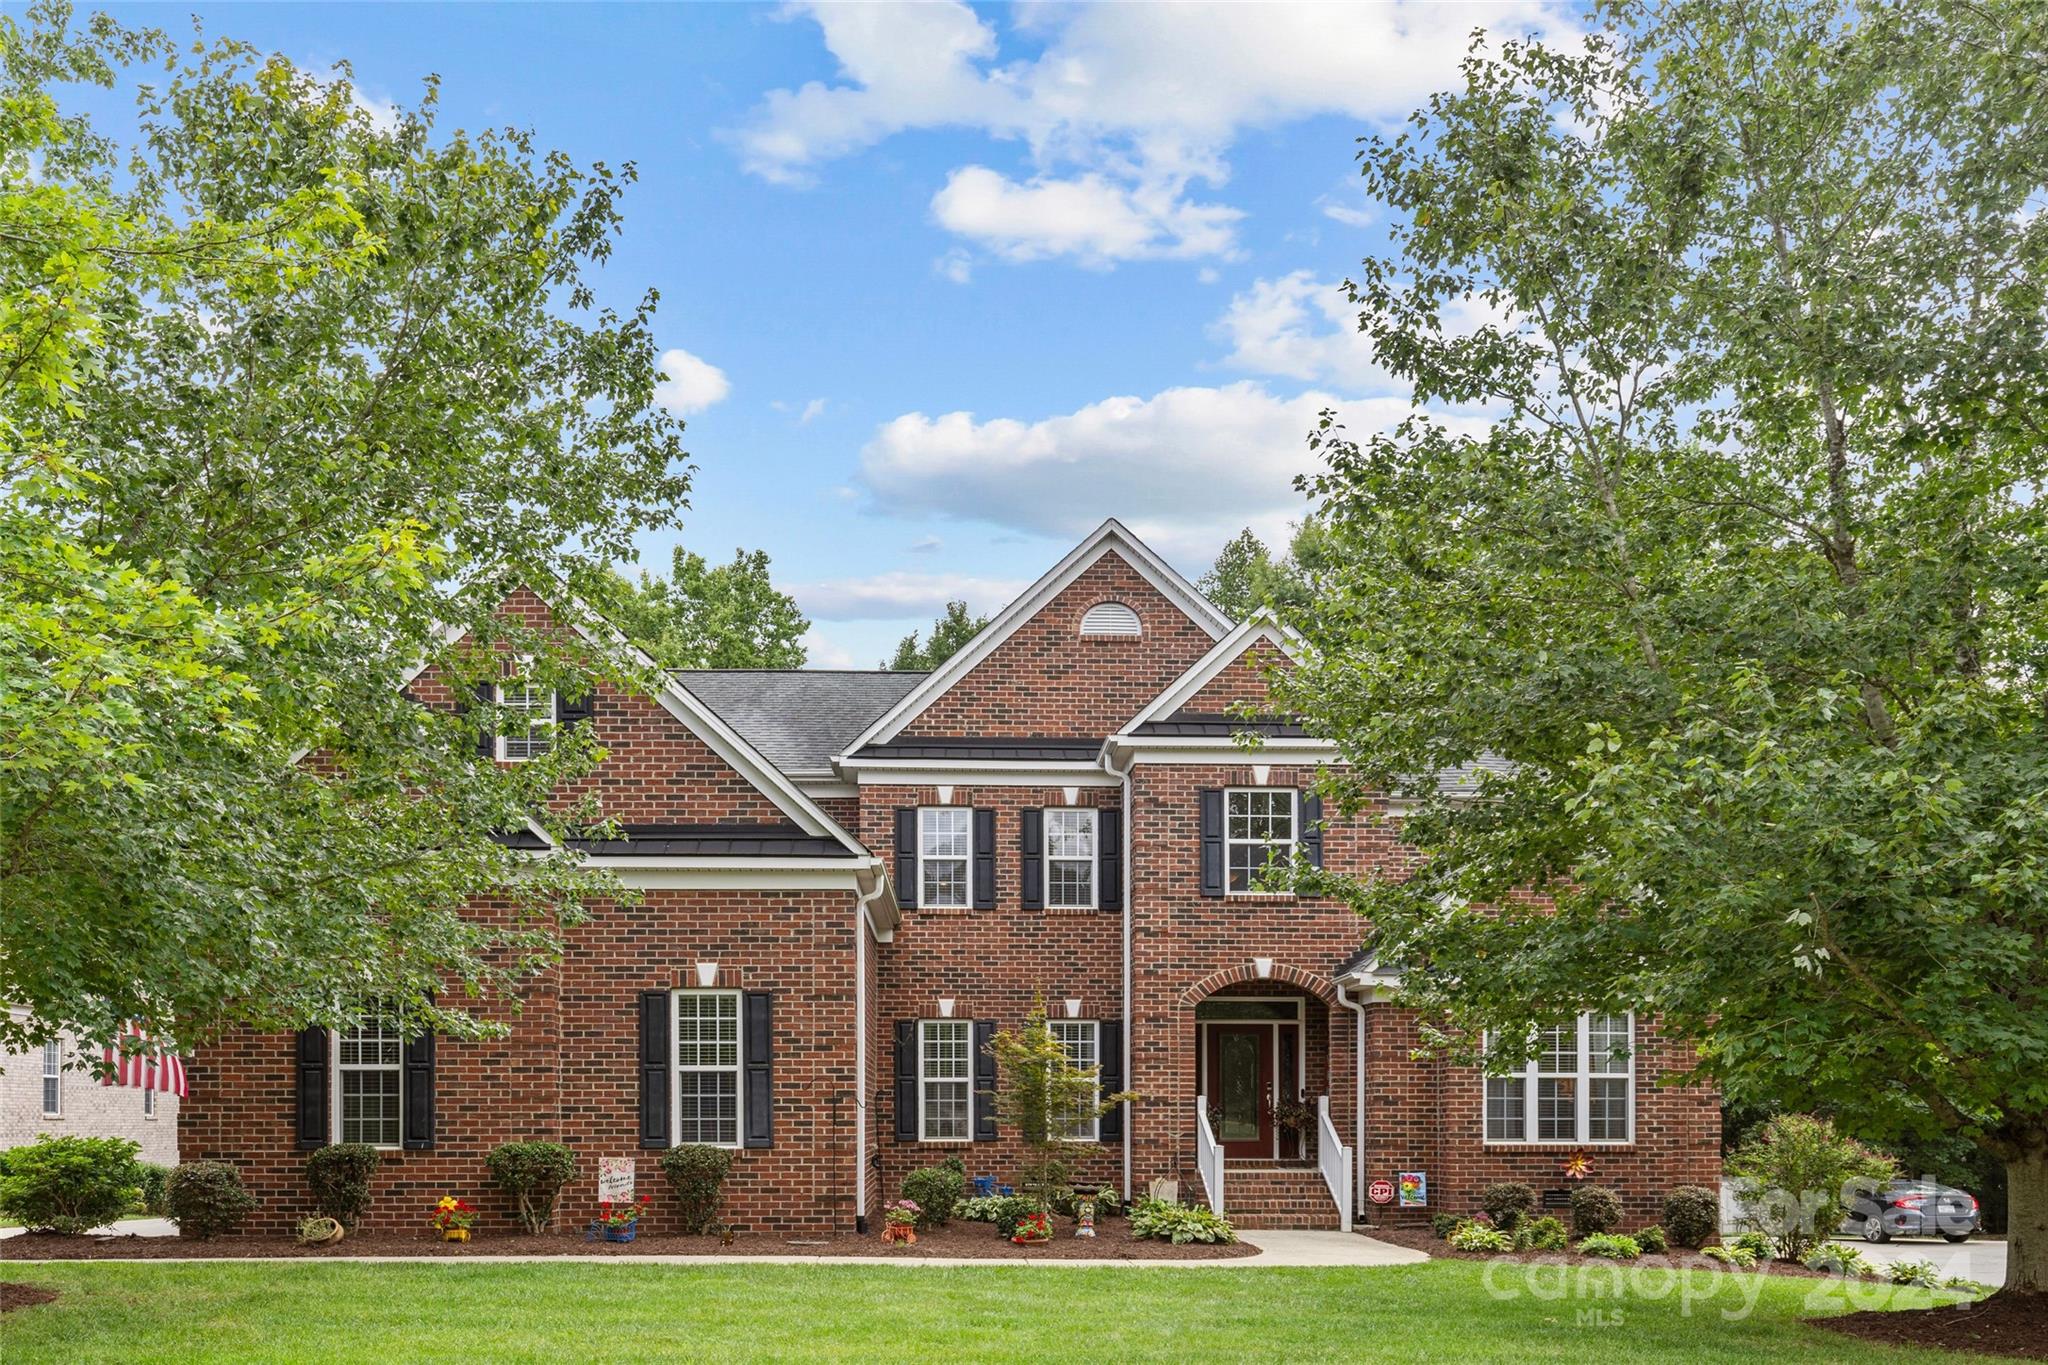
(939, 911)
(1556, 1144)
(945, 1142)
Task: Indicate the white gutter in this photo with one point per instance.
(1130, 1115)
(860, 1047)
(1358, 1183)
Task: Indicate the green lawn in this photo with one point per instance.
(618, 1310)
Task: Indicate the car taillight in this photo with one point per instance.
(1973, 1203)
(1909, 1201)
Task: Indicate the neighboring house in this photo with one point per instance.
(53, 1089)
(852, 880)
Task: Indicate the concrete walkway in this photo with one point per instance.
(1980, 1258)
(133, 1227)
(1276, 1249)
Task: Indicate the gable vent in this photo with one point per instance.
(1111, 618)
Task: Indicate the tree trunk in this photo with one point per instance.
(2026, 1248)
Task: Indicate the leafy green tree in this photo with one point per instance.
(700, 616)
(1799, 1169)
(1246, 577)
(1747, 575)
(291, 399)
(1045, 1098)
(950, 633)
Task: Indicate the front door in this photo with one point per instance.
(1241, 1088)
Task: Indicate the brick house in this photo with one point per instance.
(852, 879)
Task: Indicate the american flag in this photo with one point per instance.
(136, 1062)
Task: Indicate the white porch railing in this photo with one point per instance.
(1335, 1159)
(1208, 1156)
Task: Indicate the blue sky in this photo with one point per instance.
(948, 285)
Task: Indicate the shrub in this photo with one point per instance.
(1651, 1239)
(1108, 1203)
(1757, 1244)
(70, 1184)
(981, 1209)
(1832, 1258)
(1914, 1272)
(153, 1189)
(1692, 1215)
(533, 1173)
(1611, 1247)
(1443, 1224)
(1541, 1234)
(697, 1174)
(1159, 1221)
(340, 1176)
(206, 1199)
(1798, 1167)
(936, 1190)
(1595, 1208)
(1508, 1203)
(1480, 1237)
(1742, 1258)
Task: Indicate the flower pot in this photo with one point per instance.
(625, 1234)
(455, 1234)
(898, 1232)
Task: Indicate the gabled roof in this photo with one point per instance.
(1263, 627)
(798, 718)
(1112, 535)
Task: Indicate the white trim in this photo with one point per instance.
(737, 1069)
(924, 1108)
(1293, 836)
(1094, 858)
(1582, 1078)
(1206, 750)
(1300, 1026)
(1111, 535)
(965, 859)
(1262, 626)
(334, 1097)
(827, 787)
(906, 772)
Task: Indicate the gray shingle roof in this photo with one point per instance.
(798, 718)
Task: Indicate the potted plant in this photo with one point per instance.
(453, 1218)
(620, 1222)
(1032, 1229)
(899, 1221)
(1297, 1119)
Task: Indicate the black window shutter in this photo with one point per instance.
(1212, 841)
(1109, 1051)
(654, 1054)
(1311, 807)
(313, 1128)
(984, 1081)
(1109, 859)
(984, 860)
(906, 857)
(906, 1080)
(1031, 869)
(760, 1068)
(419, 1093)
(486, 742)
(573, 711)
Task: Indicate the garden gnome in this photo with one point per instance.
(1084, 1219)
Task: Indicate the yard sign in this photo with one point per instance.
(615, 1179)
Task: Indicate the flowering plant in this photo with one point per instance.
(1033, 1227)
(903, 1213)
(453, 1214)
(619, 1215)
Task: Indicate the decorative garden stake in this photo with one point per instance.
(1084, 1218)
(1578, 1166)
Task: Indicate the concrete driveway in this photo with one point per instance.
(1977, 1259)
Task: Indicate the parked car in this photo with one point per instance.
(1914, 1208)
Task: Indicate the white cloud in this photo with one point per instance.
(1185, 468)
(1307, 329)
(820, 652)
(925, 545)
(956, 265)
(1149, 98)
(813, 410)
(689, 384)
(898, 595)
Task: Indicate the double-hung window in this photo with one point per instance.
(708, 1068)
(945, 1078)
(1070, 859)
(529, 719)
(149, 1101)
(53, 1079)
(1258, 827)
(369, 1061)
(1578, 1087)
(945, 850)
(1082, 1040)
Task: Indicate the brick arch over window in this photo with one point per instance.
(1317, 984)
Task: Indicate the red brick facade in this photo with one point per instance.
(569, 1068)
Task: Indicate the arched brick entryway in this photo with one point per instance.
(1317, 984)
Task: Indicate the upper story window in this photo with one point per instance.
(1070, 859)
(708, 1067)
(1111, 618)
(1258, 826)
(945, 850)
(1082, 1040)
(945, 1078)
(53, 1079)
(369, 1063)
(1579, 1087)
(529, 720)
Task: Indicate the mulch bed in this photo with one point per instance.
(978, 1241)
(13, 1296)
(2002, 1325)
(1422, 1239)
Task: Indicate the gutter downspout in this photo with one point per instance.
(1124, 777)
(1357, 1181)
(860, 1046)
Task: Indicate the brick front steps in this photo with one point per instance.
(1268, 1194)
